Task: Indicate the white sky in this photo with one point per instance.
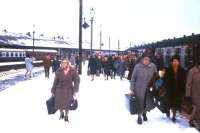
(134, 21)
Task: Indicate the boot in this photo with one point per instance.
(174, 116)
(139, 121)
(144, 117)
(61, 115)
(66, 119)
(191, 123)
(173, 119)
(168, 113)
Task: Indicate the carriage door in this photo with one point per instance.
(196, 53)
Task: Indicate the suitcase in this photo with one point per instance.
(50, 103)
(131, 103)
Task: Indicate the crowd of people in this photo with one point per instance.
(150, 81)
(144, 74)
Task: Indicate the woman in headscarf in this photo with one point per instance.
(65, 86)
(142, 75)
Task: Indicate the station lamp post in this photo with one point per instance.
(33, 40)
(118, 46)
(92, 12)
(109, 44)
(80, 36)
(100, 38)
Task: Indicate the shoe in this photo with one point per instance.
(144, 117)
(168, 114)
(191, 123)
(66, 119)
(139, 121)
(173, 119)
(61, 116)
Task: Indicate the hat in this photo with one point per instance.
(146, 55)
(177, 57)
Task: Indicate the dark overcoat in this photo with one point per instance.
(64, 87)
(175, 87)
(106, 67)
(92, 65)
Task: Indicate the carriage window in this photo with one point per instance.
(24, 54)
(11, 54)
(7, 54)
(20, 54)
(178, 51)
(16, 54)
(3, 54)
(168, 51)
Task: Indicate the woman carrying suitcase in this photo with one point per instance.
(65, 86)
(142, 75)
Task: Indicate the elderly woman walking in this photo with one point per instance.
(65, 86)
(175, 79)
(141, 77)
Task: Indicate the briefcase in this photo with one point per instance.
(50, 103)
(132, 104)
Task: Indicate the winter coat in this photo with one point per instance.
(122, 67)
(193, 89)
(106, 67)
(142, 75)
(131, 66)
(55, 65)
(175, 88)
(29, 63)
(64, 87)
(47, 62)
(92, 65)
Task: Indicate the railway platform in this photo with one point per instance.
(101, 108)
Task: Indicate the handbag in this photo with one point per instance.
(74, 104)
(149, 100)
(50, 103)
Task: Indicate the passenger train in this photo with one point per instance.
(187, 47)
(12, 54)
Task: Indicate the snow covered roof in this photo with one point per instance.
(8, 38)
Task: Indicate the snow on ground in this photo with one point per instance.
(101, 109)
(13, 77)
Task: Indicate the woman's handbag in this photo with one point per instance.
(74, 104)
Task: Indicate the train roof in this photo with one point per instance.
(182, 41)
(29, 50)
(8, 39)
